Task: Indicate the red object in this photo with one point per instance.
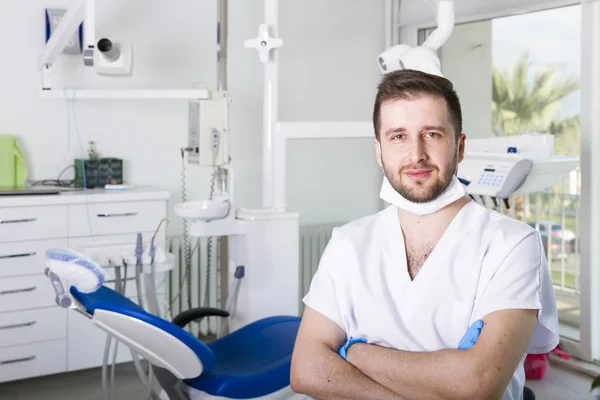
(536, 364)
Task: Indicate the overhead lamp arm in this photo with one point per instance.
(445, 25)
(422, 58)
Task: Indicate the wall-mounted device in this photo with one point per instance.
(494, 175)
(208, 131)
(502, 166)
(112, 57)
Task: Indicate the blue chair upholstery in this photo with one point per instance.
(110, 300)
(251, 362)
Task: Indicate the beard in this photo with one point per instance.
(421, 191)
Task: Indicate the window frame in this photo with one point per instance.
(588, 347)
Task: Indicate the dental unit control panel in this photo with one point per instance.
(500, 167)
(496, 176)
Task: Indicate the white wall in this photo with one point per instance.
(467, 61)
(328, 71)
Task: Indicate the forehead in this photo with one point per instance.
(414, 112)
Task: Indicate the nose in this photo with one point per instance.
(417, 151)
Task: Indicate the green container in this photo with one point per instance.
(13, 169)
(100, 172)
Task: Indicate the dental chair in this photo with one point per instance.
(252, 362)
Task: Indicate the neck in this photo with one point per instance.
(411, 222)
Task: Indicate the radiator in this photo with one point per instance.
(177, 294)
(313, 239)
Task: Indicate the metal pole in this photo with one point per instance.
(222, 46)
(222, 250)
(270, 108)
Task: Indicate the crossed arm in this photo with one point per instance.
(374, 372)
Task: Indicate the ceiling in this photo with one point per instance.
(417, 12)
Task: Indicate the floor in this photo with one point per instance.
(80, 385)
(558, 384)
(562, 384)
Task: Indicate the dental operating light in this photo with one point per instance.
(424, 57)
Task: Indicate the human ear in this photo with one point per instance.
(377, 144)
(461, 147)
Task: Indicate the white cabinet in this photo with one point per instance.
(25, 293)
(30, 223)
(33, 359)
(36, 336)
(22, 327)
(115, 218)
(27, 257)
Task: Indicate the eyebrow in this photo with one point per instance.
(424, 128)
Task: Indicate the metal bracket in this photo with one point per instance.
(62, 298)
(88, 57)
(263, 43)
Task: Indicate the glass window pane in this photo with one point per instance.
(535, 88)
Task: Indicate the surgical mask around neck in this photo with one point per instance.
(453, 192)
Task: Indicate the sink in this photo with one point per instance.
(205, 210)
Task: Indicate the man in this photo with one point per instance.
(396, 291)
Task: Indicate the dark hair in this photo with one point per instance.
(405, 83)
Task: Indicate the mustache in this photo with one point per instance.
(418, 166)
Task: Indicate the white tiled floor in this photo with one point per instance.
(558, 384)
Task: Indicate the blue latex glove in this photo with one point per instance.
(467, 341)
(344, 348)
(471, 336)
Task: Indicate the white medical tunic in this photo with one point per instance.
(484, 262)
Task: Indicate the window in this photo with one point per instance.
(536, 88)
(527, 68)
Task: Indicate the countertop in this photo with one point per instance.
(80, 196)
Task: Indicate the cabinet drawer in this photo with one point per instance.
(26, 292)
(32, 326)
(26, 361)
(31, 223)
(115, 218)
(26, 258)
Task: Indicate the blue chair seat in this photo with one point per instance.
(251, 362)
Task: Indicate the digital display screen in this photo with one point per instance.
(489, 170)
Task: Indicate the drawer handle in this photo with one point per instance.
(18, 255)
(14, 221)
(17, 360)
(125, 214)
(26, 324)
(19, 290)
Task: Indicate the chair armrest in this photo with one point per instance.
(184, 318)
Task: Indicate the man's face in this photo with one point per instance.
(417, 147)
